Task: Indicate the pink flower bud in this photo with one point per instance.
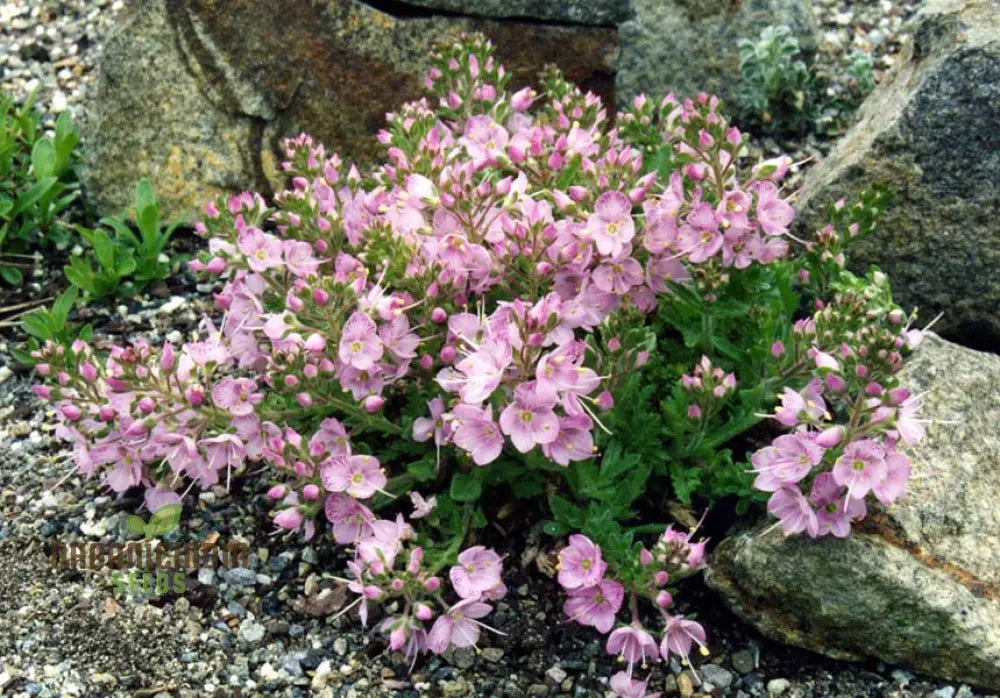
(423, 612)
(288, 519)
(195, 395)
(873, 389)
(439, 315)
(71, 412)
(310, 492)
(777, 349)
(304, 399)
(106, 413)
(804, 275)
(448, 354)
(167, 358)
(664, 599)
(694, 412)
(291, 381)
(522, 99)
(43, 369)
(373, 403)
(861, 371)
(42, 391)
(310, 371)
(277, 492)
(835, 383)
(661, 578)
(88, 371)
(828, 438)
(397, 638)
(147, 405)
(321, 246)
(614, 344)
(302, 468)
(294, 303)
(315, 342)
(645, 557)
(555, 162)
(216, 265)
(454, 101)
(432, 584)
(427, 362)
(63, 378)
(897, 396)
(320, 297)
(195, 266)
(605, 401)
(641, 358)
(136, 429)
(372, 592)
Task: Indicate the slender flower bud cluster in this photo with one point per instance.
(596, 593)
(708, 387)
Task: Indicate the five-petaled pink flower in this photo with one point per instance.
(459, 626)
(360, 346)
(790, 506)
(633, 644)
(580, 563)
(238, 395)
(478, 571)
(529, 419)
(359, 476)
(610, 225)
(261, 250)
(861, 467)
(679, 636)
(595, 605)
(477, 433)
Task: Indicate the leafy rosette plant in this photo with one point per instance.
(510, 304)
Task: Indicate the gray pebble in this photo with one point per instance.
(717, 675)
(777, 687)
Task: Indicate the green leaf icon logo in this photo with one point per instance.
(136, 526)
(164, 520)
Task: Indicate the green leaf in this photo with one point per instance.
(43, 159)
(565, 511)
(136, 526)
(5, 206)
(165, 519)
(30, 196)
(62, 306)
(11, 275)
(465, 487)
(104, 250)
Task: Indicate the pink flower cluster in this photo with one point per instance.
(708, 386)
(847, 425)
(595, 600)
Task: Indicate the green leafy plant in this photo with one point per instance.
(51, 326)
(36, 183)
(780, 93)
(124, 262)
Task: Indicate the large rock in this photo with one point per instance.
(920, 585)
(932, 133)
(196, 94)
(690, 46)
(599, 12)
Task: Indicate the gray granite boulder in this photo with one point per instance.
(917, 585)
(599, 12)
(196, 94)
(931, 132)
(690, 46)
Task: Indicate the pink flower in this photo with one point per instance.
(237, 395)
(699, 238)
(484, 139)
(618, 275)
(458, 627)
(421, 507)
(796, 515)
(424, 428)
(477, 433)
(774, 214)
(483, 370)
(478, 571)
(892, 487)
(223, 451)
(610, 225)
(360, 346)
(679, 636)
(631, 643)
(262, 251)
(299, 258)
(580, 563)
(575, 441)
(909, 427)
(595, 605)
(624, 687)
(359, 476)
(529, 420)
(350, 518)
(835, 510)
(786, 461)
(807, 406)
(861, 467)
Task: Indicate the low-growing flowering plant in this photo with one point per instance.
(525, 301)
